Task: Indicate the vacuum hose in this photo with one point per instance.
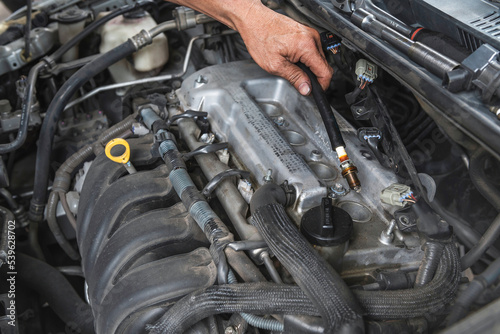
(271, 298)
(260, 298)
(57, 291)
(324, 287)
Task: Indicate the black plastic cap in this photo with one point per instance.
(326, 225)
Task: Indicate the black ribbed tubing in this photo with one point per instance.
(419, 301)
(324, 287)
(256, 298)
(325, 110)
(55, 109)
(274, 298)
(56, 230)
(57, 292)
(432, 256)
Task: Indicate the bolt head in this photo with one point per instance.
(230, 330)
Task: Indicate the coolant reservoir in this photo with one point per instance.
(145, 61)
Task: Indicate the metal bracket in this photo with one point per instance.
(187, 114)
(209, 148)
(217, 179)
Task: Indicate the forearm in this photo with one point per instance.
(275, 42)
(232, 13)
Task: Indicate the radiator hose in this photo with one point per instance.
(55, 289)
(325, 288)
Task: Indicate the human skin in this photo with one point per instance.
(274, 41)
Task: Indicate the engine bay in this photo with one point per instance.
(155, 179)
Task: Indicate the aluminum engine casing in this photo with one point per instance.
(269, 125)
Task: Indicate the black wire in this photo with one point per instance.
(324, 108)
(27, 30)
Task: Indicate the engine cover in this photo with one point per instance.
(269, 125)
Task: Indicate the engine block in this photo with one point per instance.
(269, 125)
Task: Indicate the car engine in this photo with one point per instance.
(154, 179)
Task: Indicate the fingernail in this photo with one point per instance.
(304, 88)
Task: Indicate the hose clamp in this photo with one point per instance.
(141, 39)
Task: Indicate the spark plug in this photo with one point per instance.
(349, 170)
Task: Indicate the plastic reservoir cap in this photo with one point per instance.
(326, 225)
(124, 158)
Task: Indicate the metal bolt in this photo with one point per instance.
(5, 107)
(279, 121)
(387, 235)
(230, 330)
(269, 176)
(337, 190)
(315, 155)
(495, 110)
(200, 81)
(207, 138)
(172, 97)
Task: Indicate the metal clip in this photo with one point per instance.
(209, 148)
(187, 114)
(217, 179)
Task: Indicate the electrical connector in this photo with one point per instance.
(330, 42)
(396, 194)
(366, 72)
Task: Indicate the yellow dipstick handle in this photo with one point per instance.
(124, 158)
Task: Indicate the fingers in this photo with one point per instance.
(296, 77)
(309, 52)
(312, 57)
(316, 61)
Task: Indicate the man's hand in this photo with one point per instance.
(277, 42)
(274, 41)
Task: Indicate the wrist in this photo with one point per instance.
(248, 16)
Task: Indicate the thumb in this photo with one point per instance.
(296, 77)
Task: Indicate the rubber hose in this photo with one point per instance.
(33, 75)
(489, 237)
(33, 240)
(27, 30)
(22, 133)
(432, 256)
(480, 181)
(6, 216)
(116, 130)
(56, 230)
(253, 320)
(55, 109)
(420, 301)
(56, 291)
(480, 322)
(324, 108)
(259, 298)
(468, 236)
(325, 288)
(8, 197)
(474, 290)
(270, 298)
(62, 180)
